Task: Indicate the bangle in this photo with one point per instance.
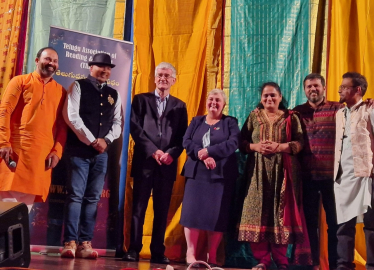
(206, 149)
(277, 148)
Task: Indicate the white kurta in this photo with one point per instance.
(352, 194)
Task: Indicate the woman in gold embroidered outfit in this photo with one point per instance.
(271, 217)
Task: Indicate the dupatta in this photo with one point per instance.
(293, 215)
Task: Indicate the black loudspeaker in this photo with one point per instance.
(14, 235)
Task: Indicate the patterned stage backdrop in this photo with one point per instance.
(75, 50)
(269, 42)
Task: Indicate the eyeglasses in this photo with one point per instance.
(346, 87)
(166, 76)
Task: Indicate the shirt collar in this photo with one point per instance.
(324, 101)
(354, 107)
(95, 82)
(37, 75)
(158, 96)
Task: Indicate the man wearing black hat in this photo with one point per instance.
(93, 112)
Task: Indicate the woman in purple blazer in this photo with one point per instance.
(210, 170)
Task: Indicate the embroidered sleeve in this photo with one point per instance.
(297, 143)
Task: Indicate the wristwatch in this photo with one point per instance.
(107, 141)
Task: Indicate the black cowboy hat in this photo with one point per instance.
(101, 59)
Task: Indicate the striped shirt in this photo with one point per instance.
(161, 103)
(317, 157)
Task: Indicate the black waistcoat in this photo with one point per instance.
(97, 112)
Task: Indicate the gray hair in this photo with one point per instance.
(166, 65)
(218, 91)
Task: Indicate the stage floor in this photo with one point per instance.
(55, 262)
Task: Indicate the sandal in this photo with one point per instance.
(194, 265)
(260, 266)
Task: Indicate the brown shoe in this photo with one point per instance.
(69, 249)
(85, 251)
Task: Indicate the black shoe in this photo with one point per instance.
(160, 259)
(131, 256)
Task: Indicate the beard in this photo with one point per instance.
(315, 99)
(46, 71)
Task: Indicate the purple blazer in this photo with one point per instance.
(224, 140)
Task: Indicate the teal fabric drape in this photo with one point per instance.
(269, 42)
(94, 17)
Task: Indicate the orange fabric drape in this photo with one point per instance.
(352, 49)
(188, 35)
(10, 22)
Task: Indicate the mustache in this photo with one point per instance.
(48, 66)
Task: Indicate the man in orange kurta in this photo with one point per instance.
(32, 131)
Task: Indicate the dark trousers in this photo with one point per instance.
(312, 192)
(161, 194)
(346, 241)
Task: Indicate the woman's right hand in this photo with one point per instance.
(202, 154)
(269, 147)
(265, 147)
(210, 163)
(256, 147)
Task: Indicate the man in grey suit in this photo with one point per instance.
(157, 125)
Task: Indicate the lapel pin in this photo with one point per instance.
(110, 100)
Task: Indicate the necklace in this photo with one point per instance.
(211, 122)
(274, 116)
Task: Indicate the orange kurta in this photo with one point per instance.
(31, 123)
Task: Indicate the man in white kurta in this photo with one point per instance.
(353, 170)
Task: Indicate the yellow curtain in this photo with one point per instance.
(188, 35)
(318, 43)
(318, 55)
(352, 49)
(119, 19)
(351, 43)
(227, 51)
(10, 21)
(318, 35)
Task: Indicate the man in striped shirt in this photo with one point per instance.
(317, 117)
